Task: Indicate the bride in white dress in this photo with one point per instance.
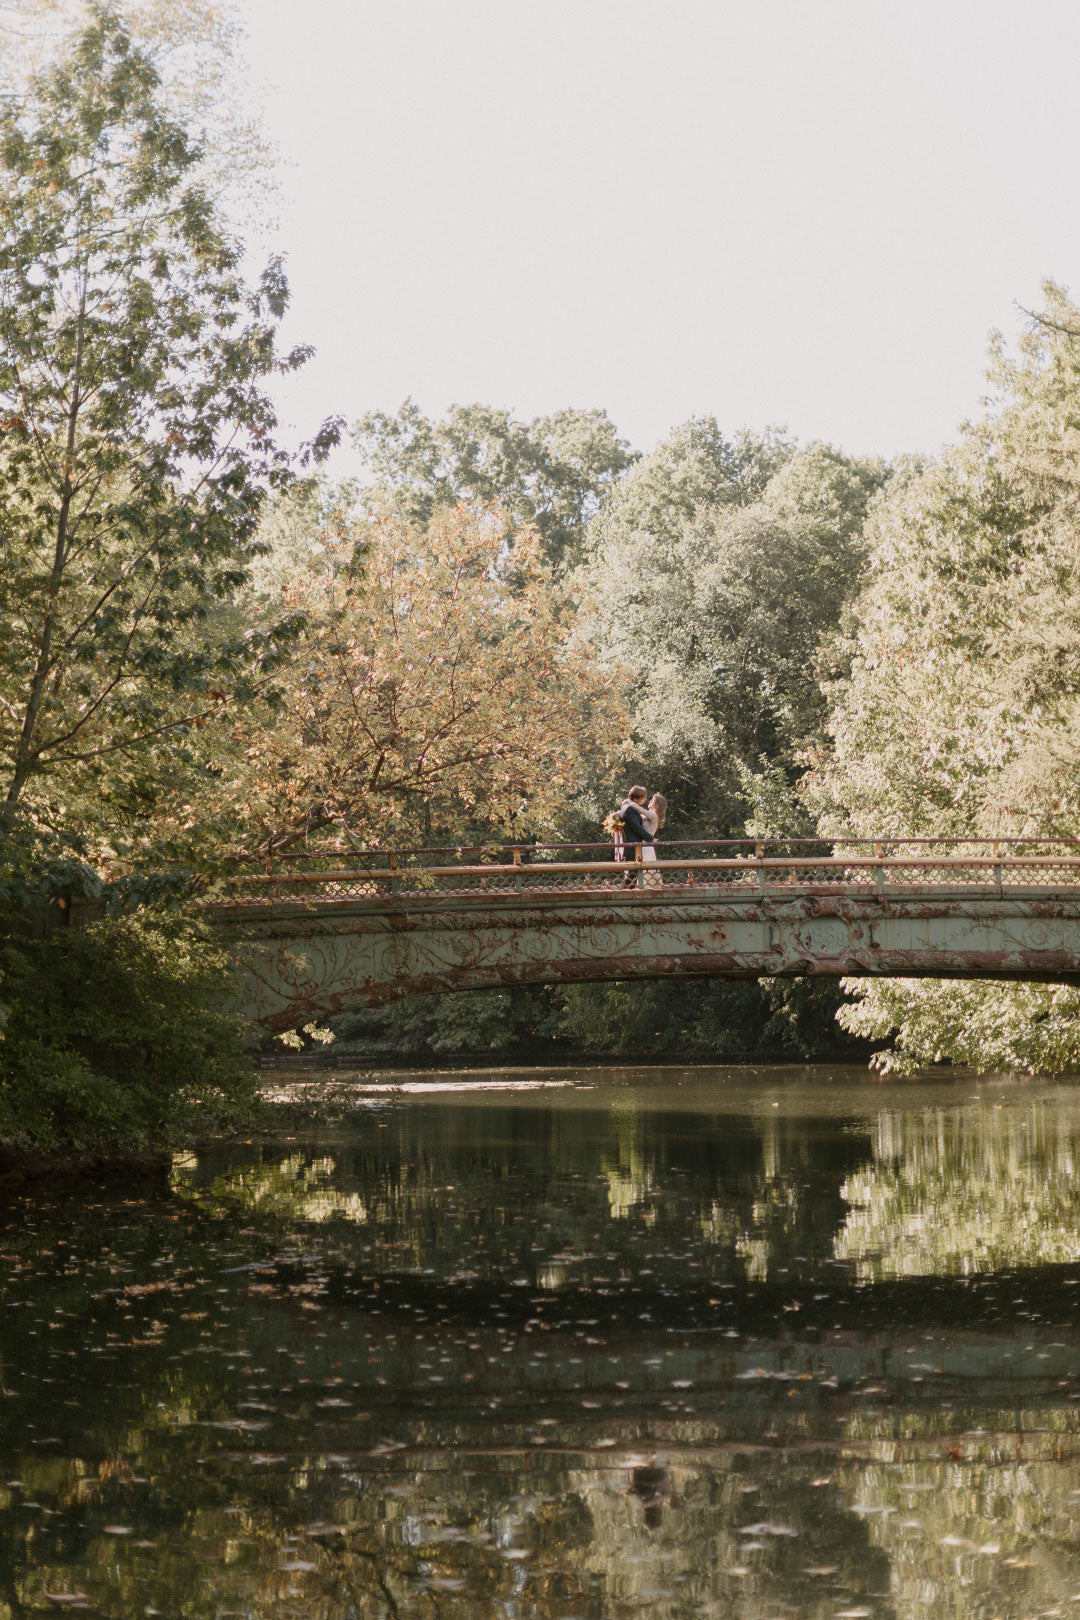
(654, 815)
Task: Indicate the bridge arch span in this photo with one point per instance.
(310, 954)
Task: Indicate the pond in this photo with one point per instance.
(572, 1345)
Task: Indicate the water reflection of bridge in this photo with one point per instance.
(559, 1379)
(321, 931)
(917, 1342)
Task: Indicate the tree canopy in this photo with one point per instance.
(959, 713)
(551, 474)
(196, 49)
(137, 443)
(715, 570)
(434, 688)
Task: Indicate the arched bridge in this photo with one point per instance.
(323, 931)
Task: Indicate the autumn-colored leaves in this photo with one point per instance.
(436, 682)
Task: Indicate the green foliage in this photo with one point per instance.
(301, 529)
(136, 448)
(1013, 1028)
(717, 567)
(714, 567)
(196, 49)
(111, 1039)
(958, 713)
(478, 1023)
(920, 731)
(551, 473)
(695, 471)
(697, 1020)
(705, 1020)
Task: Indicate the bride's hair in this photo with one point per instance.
(659, 804)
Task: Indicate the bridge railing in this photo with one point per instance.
(733, 867)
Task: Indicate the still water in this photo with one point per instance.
(574, 1346)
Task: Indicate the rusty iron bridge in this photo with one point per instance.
(319, 932)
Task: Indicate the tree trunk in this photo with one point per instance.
(24, 752)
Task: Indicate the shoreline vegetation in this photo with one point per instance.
(210, 648)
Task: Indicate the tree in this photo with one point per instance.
(136, 442)
(959, 713)
(195, 49)
(917, 716)
(435, 687)
(716, 568)
(550, 474)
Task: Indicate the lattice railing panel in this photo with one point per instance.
(732, 868)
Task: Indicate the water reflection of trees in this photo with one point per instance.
(558, 1195)
(988, 1526)
(186, 1366)
(980, 1189)
(925, 1191)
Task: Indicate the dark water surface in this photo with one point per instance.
(733, 1342)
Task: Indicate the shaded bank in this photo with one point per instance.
(712, 1020)
(111, 1040)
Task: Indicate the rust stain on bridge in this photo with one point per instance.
(362, 930)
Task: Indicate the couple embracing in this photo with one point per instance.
(641, 822)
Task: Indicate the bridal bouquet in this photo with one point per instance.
(613, 824)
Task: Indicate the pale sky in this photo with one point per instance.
(807, 212)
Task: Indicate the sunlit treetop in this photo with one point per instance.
(196, 49)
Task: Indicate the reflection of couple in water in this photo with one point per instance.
(640, 824)
(651, 1484)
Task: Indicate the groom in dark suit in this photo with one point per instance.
(634, 829)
